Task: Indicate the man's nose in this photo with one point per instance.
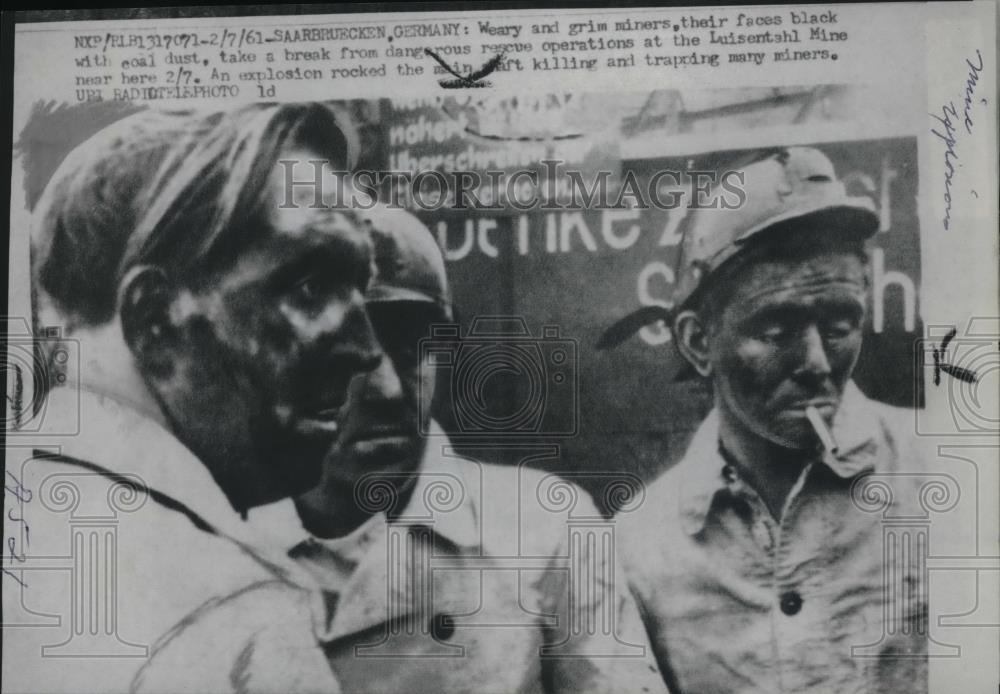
(358, 342)
(813, 360)
(383, 383)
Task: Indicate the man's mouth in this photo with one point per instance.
(818, 403)
(320, 420)
(387, 433)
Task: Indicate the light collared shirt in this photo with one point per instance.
(122, 534)
(827, 599)
(332, 562)
(492, 579)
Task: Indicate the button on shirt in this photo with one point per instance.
(736, 601)
(492, 579)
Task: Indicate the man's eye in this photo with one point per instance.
(772, 333)
(309, 289)
(838, 330)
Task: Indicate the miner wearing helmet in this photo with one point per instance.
(440, 574)
(755, 561)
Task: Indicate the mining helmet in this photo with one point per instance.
(786, 190)
(409, 265)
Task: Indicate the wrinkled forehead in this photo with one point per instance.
(304, 224)
(832, 275)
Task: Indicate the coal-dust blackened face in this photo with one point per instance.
(388, 408)
(265, 348)
(787, 337)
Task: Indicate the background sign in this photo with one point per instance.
(560, 277)
(568, 274)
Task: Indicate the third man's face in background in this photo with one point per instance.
(388, 408)
(788, 338)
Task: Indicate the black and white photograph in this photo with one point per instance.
(643, 349)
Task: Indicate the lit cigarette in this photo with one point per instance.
(822, 431)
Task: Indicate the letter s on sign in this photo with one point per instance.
(657, 333)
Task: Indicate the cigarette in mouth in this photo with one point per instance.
(822, 431)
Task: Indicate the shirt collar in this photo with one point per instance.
(122, 440)
(117, 437)
(444, 496)
(856, 429)
(441, 498)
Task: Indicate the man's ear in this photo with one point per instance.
(144, 297)
(691, 337)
